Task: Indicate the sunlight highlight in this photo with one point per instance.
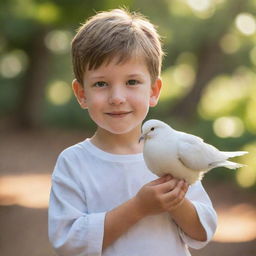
(59, 93)
(203, 9)
(184, 75)
(47, 13)
(245, 23)
(221, 96)
(13, 63)
(31, 190)
(224, 94)
(229, 126)
(58, 41)
(200, 5)
(246, 176)
(250, 113)
(230, 43)
(236, 224)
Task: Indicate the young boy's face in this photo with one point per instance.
(118, 96)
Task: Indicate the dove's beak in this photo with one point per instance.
(141, 138)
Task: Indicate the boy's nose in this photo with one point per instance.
(116, 97)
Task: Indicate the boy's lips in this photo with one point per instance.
(118, 113)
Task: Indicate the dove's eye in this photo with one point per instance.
(152, 129)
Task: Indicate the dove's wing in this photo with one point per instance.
(197, 155)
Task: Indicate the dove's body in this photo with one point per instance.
(182, 155)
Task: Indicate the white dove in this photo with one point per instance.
(184, 156)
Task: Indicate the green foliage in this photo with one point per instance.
(227, 102)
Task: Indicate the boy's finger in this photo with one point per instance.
(159, 180)
(185, 187)
(168, 185)
(176, 190)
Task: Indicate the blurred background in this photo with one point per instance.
(209, 90)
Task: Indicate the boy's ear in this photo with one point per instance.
(155, 92)
(79, 92)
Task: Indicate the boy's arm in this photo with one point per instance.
(148, 201)
(194, 214)
(161, 195)
(186, 217)
(123, 217)
(119, 220)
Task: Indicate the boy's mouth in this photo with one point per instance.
(118, 113)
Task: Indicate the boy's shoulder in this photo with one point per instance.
(68, 160)
(71, 154)
(82, 150)
(73, 150)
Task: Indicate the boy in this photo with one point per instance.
(104, 200)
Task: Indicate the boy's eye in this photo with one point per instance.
(100, 84)
(132, 82)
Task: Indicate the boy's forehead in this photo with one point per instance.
(132, 61)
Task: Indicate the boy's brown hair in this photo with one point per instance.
(116, 33)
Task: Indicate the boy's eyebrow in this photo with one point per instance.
(128, 75)
(97, 77)
(134, 74)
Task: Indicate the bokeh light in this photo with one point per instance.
(13, 63)
(221, 97)
(250, 116)
(203, 9)
(59, 93)
(184, 75)
(178, 8)
(245, 23)
(200, 5)
(225, 93)
(58, 41)
(236, 224)
(187, 58)
(178, 79)
(30, 190)
(230, 43)
(228, 126)
(168, 88)
(47, 12)
(246, 176)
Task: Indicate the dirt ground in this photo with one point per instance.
(26, 162)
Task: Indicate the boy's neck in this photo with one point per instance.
(118, 143)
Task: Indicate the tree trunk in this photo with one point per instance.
(209, 65)
(29, 109)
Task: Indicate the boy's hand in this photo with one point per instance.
(160, 195)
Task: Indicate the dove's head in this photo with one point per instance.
(154, 128)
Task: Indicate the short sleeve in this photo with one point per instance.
(72, 230)
(206, 213)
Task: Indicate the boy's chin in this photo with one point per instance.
(122, 130)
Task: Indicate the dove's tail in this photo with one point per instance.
(228, 164)
(234, 153)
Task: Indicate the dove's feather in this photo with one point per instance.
(197, 155)
(189, 137)
(227, 164)
(234, 153)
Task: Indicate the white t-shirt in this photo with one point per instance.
(87, 182)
